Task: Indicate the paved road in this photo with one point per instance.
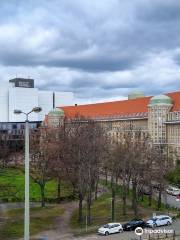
(171, 200)
(130, 235)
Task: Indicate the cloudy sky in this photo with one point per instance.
(99, 49)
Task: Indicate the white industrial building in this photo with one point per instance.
(20, 93)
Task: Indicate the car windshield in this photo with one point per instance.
(153, 219)
(106, 226)
(133, 220)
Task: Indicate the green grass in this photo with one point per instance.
(41, 219)
(12, 187)
(144, 203)
(101, 214)
(174, 176)
(101, 211)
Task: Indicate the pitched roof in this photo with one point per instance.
(125, 107)
(176, 100)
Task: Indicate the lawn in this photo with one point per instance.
(143, 204)
(12, 187)
(101, 214)
(41, 219)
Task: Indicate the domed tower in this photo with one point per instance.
(158, 108)
(55, 117)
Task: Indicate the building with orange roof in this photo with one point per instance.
(157, 115)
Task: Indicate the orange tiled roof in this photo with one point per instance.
(176, 100)
(125, 107)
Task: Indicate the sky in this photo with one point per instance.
(101, 50)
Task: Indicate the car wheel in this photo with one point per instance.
(120, 230)
(168, 223)
(154, 225)
(106, 233)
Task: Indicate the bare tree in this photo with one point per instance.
(42, 146)
(86, 144)
(60, 154)
(131, 159)
(162, 166)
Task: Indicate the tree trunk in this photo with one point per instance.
(80, 218)
(124, 192)
(89, 209)
(159, 198)
(112, 180)
(113, 205)
(116, 182)
(88, 213)
(150, 196)
(134, 198)
(42, 186)
(128, 183)
(106, 176)
(96, 188)
(59, 190)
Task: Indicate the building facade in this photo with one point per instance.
(158, 116)
(20, 93)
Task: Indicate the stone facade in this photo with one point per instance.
(160, 121)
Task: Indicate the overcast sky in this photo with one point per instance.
(98, 49)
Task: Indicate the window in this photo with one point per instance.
(116, 225)
(14, 126)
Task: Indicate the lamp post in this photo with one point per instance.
(26, 193)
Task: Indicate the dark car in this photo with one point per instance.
(133, 224)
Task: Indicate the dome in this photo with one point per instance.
(56, 112)
(160, 100)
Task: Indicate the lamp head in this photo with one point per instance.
(37, 109)
(17, 111)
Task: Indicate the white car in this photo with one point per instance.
(110, 228)
(173, 191)
(160, 220)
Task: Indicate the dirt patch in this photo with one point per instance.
(61, 229)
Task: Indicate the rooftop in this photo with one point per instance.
(125, 107)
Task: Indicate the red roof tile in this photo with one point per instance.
(176, 100)
(124, 107)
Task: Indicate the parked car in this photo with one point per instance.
(110, 228)
(160, 220)
(146, 190)
(133, 224)
(173, 191)
(178, 198)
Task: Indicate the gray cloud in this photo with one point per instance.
(98, 50)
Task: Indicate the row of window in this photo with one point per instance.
(18, 126)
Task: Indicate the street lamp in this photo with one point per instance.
(26, 205)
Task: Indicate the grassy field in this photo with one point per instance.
(12, 187)
(101, 214)
(143, 204)
(41, 219)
